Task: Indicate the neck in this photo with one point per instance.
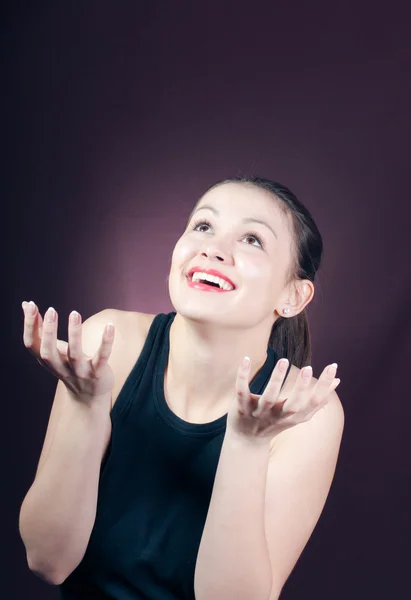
(204, 360)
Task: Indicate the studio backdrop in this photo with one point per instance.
(117, 118)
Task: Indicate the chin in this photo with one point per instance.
(214, 308)
(202, 311)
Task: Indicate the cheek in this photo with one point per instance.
(180, 258)
(181, 253)
(260, 282)
(256, 271)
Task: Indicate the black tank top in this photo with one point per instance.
(155, 487)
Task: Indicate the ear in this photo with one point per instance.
(305, 293)
(299, 293)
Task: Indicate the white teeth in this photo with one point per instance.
(198, 276)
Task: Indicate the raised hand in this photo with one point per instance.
(85, 377)
(263, 416)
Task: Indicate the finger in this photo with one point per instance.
(48, 345)
(75, 354)
(335, 384)
(102, 355)
(31, 338)
(242, 386)
(327, 399)
(300, 394)
(304, 397)
(62, 347)
(272, 390)
(324, 385)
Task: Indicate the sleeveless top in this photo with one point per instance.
(155, 486)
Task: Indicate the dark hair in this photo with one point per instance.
(290, 337)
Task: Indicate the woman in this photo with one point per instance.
(173, 467)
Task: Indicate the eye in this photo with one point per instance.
(251, 234)
(203, 222)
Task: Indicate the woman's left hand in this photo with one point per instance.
(261, 417)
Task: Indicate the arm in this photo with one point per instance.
(264, 507)
(300, 473)
(233, 559)
(59, 510)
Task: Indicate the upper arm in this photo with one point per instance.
(299, 476)
(91, 335)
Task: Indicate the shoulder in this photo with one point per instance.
(127, 317)
(130, 333)
(127, 324)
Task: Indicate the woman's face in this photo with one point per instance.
(253, 255)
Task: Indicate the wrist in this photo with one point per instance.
(90, 404)
(240, 440)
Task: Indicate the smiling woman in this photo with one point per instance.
(272, 269)
(285, 235)
(213, 469)
(289, 336)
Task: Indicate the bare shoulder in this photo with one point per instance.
(130, 333)
(128, 323)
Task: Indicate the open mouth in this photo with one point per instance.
(206, 284)
(210, 281)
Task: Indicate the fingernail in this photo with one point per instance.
(307, 372)
(51, 315)
(331, 368)
(31, 308)
(74, 317)
(283, 364)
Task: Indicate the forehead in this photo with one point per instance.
(245, 201)
(237, 194)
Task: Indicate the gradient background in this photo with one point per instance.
(117, 117)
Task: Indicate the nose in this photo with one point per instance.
(216, 250)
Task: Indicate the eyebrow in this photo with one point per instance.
(246, 220)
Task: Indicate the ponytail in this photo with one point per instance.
(290, 338)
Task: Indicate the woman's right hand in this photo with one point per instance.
(85, 377)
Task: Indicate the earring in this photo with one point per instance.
(286, 310)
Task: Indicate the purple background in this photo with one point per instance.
(118, 116)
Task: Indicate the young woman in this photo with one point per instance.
(173, 467)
